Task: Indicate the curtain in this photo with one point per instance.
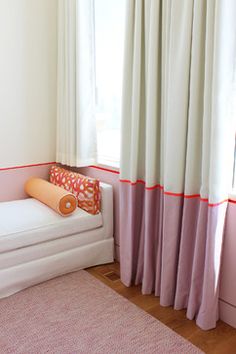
(177, 150)
(76, 126)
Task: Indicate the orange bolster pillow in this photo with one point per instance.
(55, 197)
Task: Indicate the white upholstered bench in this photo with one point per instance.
(37, 244)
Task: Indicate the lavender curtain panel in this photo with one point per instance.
(76, 124)
(177, 149)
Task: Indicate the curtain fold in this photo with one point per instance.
(76, 125)
(177, 150)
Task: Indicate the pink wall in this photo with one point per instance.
(12, 180)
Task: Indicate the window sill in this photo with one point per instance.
(107, 167)
(112, 164)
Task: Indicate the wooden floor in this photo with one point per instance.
(221, 340)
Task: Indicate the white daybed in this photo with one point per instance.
(37, 244)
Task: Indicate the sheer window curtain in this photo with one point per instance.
(177, 150)
(76, 125)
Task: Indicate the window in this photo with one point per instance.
(109, 48)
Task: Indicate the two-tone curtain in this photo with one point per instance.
(76, 125)
(177, 150)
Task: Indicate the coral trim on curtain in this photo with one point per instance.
(186, 196)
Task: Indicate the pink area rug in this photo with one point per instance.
(76, 313)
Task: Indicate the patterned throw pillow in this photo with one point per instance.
(85, 189)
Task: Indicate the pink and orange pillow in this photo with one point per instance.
(86, 189)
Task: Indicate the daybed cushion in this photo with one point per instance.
(27, 222)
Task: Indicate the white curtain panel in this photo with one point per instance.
(177, 149)
(76, 125)
(177, 123)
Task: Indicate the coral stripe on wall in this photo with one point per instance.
(105, 169)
